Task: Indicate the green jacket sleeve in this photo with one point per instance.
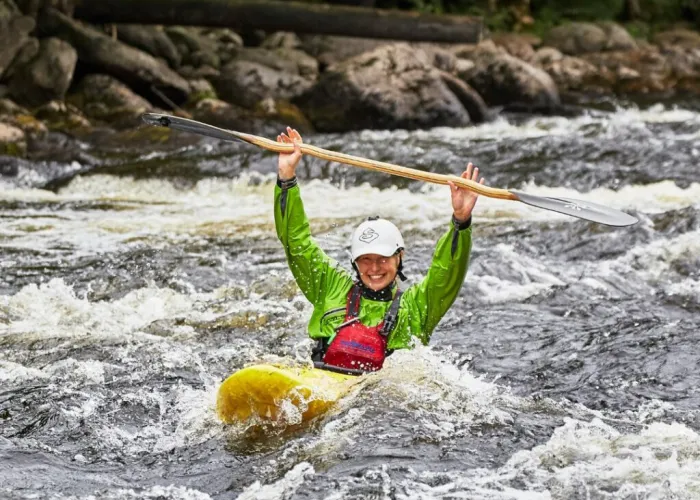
(314, 272)
(427, 301)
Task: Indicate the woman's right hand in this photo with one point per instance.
(287, 163)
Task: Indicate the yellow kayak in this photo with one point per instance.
(274, 394)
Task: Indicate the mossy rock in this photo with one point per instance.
(16, 149)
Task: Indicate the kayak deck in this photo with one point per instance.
(279, 394)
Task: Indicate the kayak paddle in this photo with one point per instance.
(576, 208)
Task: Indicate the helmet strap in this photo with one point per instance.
(400, 273)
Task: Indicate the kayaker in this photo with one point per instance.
(358, 321)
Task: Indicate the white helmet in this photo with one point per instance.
(375, 235)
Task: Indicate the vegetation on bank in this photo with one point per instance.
(641, 17)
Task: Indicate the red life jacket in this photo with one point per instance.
(357, 348)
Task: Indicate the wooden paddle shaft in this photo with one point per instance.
(378, 166)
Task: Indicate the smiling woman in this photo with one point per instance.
(379, 318)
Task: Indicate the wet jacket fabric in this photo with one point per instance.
(326, 284)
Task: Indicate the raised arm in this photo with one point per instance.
(313, 270)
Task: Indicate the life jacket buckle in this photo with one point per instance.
(348, 322)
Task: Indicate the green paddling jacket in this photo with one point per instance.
(326, 284)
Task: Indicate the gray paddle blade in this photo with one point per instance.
(186, 125)
(579, 208)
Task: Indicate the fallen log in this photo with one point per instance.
(270, 16)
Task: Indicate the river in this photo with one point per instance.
(133, 280)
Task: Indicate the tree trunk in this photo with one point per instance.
(632, 10)
(246, 15)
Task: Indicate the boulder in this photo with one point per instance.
(503, 80)
(686, 39)
(102, 97)
(14, 33)
(141, 71)
(12, 141)
(518, 45)
(47, 76)
(470, 98)
(582, 38)
(639, 71)
(330, 50)
(393, 86)
(568, 72)
(150, 39)
(63, 117)
(282, 40)
(29, 51)
(258, 73)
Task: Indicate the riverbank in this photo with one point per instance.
(62, 77)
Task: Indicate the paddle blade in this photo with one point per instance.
(578, 208)
(178, 123)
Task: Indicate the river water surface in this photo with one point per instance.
(134, 280)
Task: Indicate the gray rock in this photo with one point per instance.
(47, 76)
(470, 98)
(105, 98)
(568, 72)
(8, 9)
(618, 38)
(26, 53)
(282, 40)
(150, 39)
(330, 50)
(11, 108)
(259, 73)
(14, 32)
(393, 86)
(581, 38)
(136, 68)
(501, 79)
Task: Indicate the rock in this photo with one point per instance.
(501, 79)
(225, 41)
(393, 86)
(186, 39)
(260, 73)
(14, 32)
(582, 38)
(10, 133)
(204, 58)
(63, 117)
(470, 98)
(616, 69)
(8, 9)
(29, 51)
(618, 38)
(201, 89)
(577, 38)
(686, 39)
(518, 45)
(47, 76)
(10, 108)
(569, 73)
(330, 50)
(12, 140)
(282, 40)
(440, 57)
(104, 98)
(198, 73)
(139, 70)
(150, 39)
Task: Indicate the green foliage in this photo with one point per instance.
(580, 10)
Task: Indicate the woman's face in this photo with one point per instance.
(376, 271)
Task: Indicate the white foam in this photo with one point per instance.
(156, 492)
(580, 460)
(284, 488)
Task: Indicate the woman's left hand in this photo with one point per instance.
(463, 200)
